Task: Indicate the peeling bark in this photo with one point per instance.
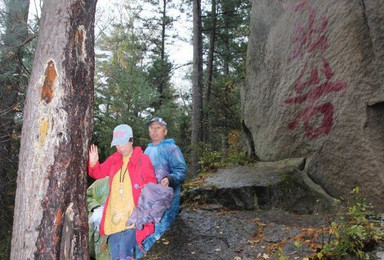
(50, 210)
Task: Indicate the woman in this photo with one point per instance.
(129, 169)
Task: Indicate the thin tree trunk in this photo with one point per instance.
(50, 220)
(208, 82)
(197, 85)
(162, 53)
(16, 32)
(225, 93)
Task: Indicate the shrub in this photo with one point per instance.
(209, 160)
(354, 233)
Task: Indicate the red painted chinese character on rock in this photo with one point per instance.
(308, 39)
(311, 39)
(312, 96)
(294, 8)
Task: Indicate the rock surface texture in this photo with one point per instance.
(315, 90)
(264, 185)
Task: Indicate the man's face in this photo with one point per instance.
(157, 132)
(125, 149)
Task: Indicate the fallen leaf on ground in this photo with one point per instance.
(238, 250)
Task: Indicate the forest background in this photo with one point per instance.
(136, 78)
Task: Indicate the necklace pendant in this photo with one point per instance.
(121, 191)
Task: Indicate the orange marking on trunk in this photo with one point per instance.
(58, 217)
(50, 78)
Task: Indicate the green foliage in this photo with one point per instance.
(239, 158)
(229, 22)
(224, 108)
(354, 233)
(133, 81)
(209, 160)
(234, 154)
(159, 27)
(232, 29)
(122, 91)
(279, 254)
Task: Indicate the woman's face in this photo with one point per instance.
(125, 149)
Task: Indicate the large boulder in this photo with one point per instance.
(315, 89)
(263, 185)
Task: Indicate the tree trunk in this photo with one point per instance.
(208, 82)
(50, 220)
(162, 53)
(16, 32)
(197, 85)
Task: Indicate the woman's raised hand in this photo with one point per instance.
(93, 155)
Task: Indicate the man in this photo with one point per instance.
(170, 170)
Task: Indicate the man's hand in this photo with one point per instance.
(93, 155)
(165, 181)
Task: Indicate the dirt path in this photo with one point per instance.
(215, 233)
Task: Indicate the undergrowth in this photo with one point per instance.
(211, 161)
(355, 231)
